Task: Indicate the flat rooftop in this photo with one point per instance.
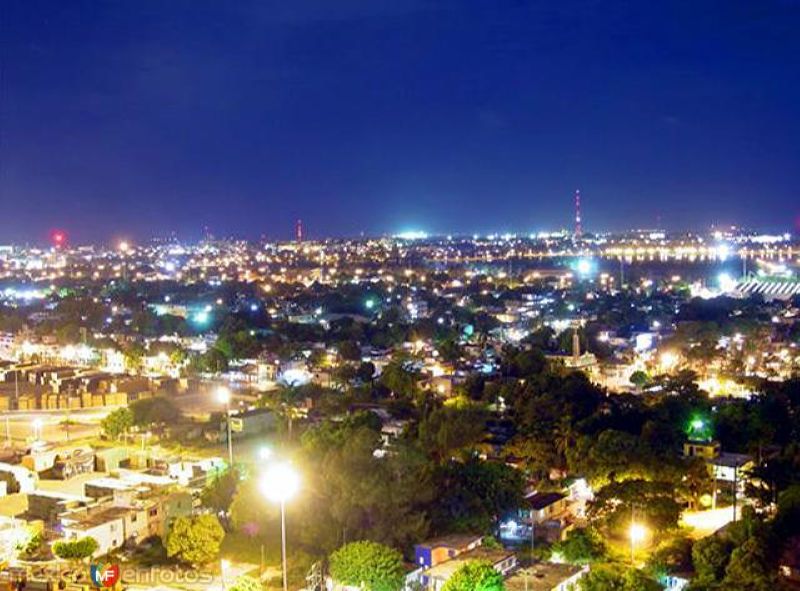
(445, 570)
(541, 577)
(84, 520)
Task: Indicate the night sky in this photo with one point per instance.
(134, 118)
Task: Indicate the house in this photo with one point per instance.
(546, 576)
(195, 474)
(47, 506)
(731, 467)
(110, 459)
(544, 506)
(708, 450)
(435, 577)
(105, 487)
(248, 423)
(129, 516)
(18, 479)
(104, 523)
(73, 462)
(722, 466)
(440, 550)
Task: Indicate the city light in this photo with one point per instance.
(726, 282)
(637, 533)
(223, 395)
(668, 360)
(584, 266)
(403, 285)
(280, 482)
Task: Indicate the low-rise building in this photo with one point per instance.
(18, 479)
(434, 578)
(546, 576)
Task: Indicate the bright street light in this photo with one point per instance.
(668, 361)
(637, 534)
(265, 452)
(279, 484)
(37, 429)
(223, 395)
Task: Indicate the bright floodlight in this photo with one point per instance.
(584, 267)
(726, 282)
(280, 483)
(668, 360)
(223, 395)
(265, 452)
(698, 424)
(637, 532)
(124, 246)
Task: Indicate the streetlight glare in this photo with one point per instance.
(223, 395)
(637, 532)
(280, 483)
(265, 452)
(668, 360)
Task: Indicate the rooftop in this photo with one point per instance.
(84, 519)
(454, 541)
(538, 501)
(445, 570)
(731, 460)
(544, 576)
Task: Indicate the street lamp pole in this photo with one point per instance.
(230, 435)
(283, 545)
(224, 396)
(280, 484)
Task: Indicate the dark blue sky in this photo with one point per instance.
(140, 117)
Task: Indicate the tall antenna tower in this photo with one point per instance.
(578, 225)
(298, 230)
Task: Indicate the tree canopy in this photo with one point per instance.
(374, 566)
(195, 540)
(475, 575)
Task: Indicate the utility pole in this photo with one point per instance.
(633, 520)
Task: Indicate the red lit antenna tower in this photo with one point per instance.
(298, 230)
(578, 225)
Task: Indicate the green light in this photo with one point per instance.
(699, 429)
(370, 304)
(201, 317)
